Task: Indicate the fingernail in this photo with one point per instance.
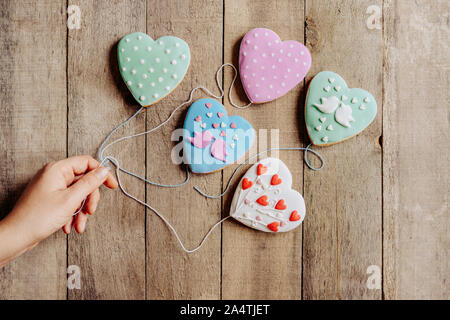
(101, 173)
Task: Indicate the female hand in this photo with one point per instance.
(50, 200)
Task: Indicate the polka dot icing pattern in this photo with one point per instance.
(343, 111)
(264, 199)
(213, 140)
(269, 67)
(151, 68)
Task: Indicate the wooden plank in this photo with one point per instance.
(111, 253)
(32, 131)
(258, 265)
(342, 234)
(415, 150)
(171, 273)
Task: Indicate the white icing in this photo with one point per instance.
(330, 128)
(325, 139)
(330, 80)
(327, 88)
(140, 85)
(135, 48)
(127, 40)
(142, 98)
(160, 79)
(128, 59)
(173, 62)
(232, 145)
(144, 76)
(139, 37)
(245, 209)
(183, 56)
(337, 88)
(151, 70)
(124, 69)
(157, 60)
(203, 125)
(149, 48)
(133, 71)
(164, 70)
(167, 88)
(129, 83)
(322, 119)
(174, 76)
(367, 100)
(167, 51)
(343, 115)
(209, 114)
(344, 97)
(328, 104)
(223, 124)
(354, 100)
(152, 84)
(155, 95)
(362, 107)
(142, 61)
(318, 128)
(235, 137)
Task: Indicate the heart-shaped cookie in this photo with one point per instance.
(212, 140)
(269, 67)
(268, 207)
(334, 112)
(151, 68)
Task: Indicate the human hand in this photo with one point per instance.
(54, 195)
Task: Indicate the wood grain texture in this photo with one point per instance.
(32, 131)
(416, 150)
(172, 273)
(342, 234)
(258, 265)
(111, 253)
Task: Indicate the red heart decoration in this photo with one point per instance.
(294, 216)
(198, 119)
(233, 125)
(208, 105)
(261, 169)
(246, 184)
(275, 180)
(215, 125)
(280, 205)
(273, 226)
(220, 114)
(262, 200)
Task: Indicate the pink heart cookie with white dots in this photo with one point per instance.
(269, 67)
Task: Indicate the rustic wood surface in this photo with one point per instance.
(380, 205)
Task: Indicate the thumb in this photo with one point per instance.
(87, 184)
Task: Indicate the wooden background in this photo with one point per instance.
(381, 200)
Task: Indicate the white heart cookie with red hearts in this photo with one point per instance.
(264, 199)
(269, 67)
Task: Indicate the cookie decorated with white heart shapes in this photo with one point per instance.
(334, 112)
(264, 199)
(269, 67)
(151, 68)
(213, 140)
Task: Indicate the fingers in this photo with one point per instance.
(80, 222)
(86, 185)
(92, 201)
(68, 226)
(78, 165)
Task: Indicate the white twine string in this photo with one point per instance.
(104, 159)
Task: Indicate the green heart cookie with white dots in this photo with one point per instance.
(151, 68)
(334, 112)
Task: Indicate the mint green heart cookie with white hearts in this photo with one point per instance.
(334, 112)
(151, 68)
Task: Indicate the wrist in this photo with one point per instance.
(14, 239)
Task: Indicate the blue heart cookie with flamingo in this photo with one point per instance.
(213, 140)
